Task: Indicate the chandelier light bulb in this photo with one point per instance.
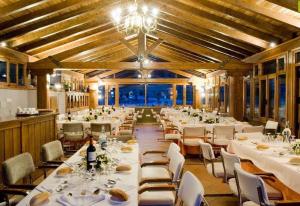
(145, 9)
(155, 12)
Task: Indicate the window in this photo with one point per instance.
(3, 72)
(179, 91)
(271, 92)
(189, 95)
(222, 96)
(256, 98)
(256, 70)
(281, 64)
(12, 73)
(263, 98)
(297, 57)
(132, 95)
(21, 79)
(111, 96)
(202, 93)
(101, 95)
(159, 95)
(247, 97)
(282, 98)
(269, 67)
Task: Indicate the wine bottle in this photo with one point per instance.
(69, 116)
(91, 154)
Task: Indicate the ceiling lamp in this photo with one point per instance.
(136, 18)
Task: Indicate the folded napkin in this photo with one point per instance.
(88, 200)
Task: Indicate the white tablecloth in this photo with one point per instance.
(268, 160)
(126, 181)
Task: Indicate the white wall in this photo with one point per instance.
(10, 99)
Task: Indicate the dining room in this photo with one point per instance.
(150, 103)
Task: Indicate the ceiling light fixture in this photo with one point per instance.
(136, 18)
(272, 44)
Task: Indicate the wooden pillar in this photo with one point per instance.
(174, 95)
(106, 94)
(42, 90)
(236, 95)
(196, 97)
(117, 94)
(93, 104)
(184, 95)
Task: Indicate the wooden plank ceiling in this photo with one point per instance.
(189, 31)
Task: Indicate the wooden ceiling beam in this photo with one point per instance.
(253, 22)
(289, 4)
(252, 5)
(68, 23)
(193, 47)
(143, 81)
(36, 15)
(19, 6)
(195, 39)
(129, 46)
(212, 25)
(154, 46)
(46, 64)
(201, 29)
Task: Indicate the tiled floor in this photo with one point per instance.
(147, 135)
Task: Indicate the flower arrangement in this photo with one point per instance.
(184, 110)
(209, 121)
(102, 160)
(88, 118)
(296, 147)
(195, 115)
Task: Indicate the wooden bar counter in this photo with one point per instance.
(26, 134)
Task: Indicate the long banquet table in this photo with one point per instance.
(128, 181)
(274, 160)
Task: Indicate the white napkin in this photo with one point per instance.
(88, 200)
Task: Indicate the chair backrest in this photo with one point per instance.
(173, 148)
(193, 132)
(97, 127)
(207, 151)
(249, 185)
(271, 125)
(191, 190)
(17, 168)
(72, 127)
(229, 160)
(52, 151)
(253, 129)
(176, 165)
(224, 132)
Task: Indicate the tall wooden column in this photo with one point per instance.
(236, 95)
(117, 94)
(174, 94)
(93, 96)
(196, 97)
(184, 95)
(42, 90)
(106, 94)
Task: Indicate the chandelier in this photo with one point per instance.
(136, 18)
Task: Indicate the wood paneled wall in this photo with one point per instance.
(26, 135)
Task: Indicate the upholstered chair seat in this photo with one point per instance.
(218, 169)
(52, 151)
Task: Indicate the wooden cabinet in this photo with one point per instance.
(18, 135)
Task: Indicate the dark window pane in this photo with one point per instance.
(269, 67)
(263, 99)
(179, 98)
(159, 95)
(21, 80)
(132, 95)
(298, 57)
(12, 73)
(271, 97)
(222, 96)
(101, 95)
(3, 74)
(111, 96)
(247, 96)
(256, 70)
(281, 64)
(256, 98)
(189, 95)
(282, 97)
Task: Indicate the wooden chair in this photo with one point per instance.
(222, 135)
(190, 193)
(73, 135)
(191, 138)
(96, 129)
(16, 169)
(170, 132)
